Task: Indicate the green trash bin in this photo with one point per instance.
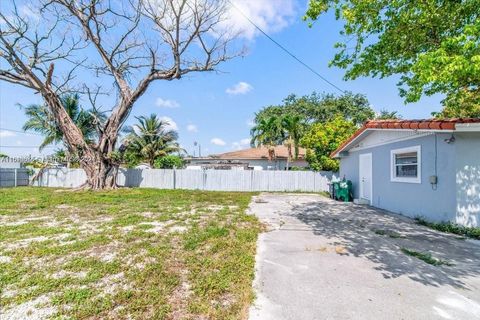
(343, 190)
(335, 189)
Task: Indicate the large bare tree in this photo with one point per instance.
(106, 49)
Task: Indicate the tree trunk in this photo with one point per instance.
(101, 171)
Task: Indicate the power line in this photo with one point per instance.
(41, 135)
(25, 147)
(285, 49)
(23, 132)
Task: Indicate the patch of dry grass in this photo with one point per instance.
(128, 253)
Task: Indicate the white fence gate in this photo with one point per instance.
(214, 180)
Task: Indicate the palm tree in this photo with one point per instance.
(267, 132)
(293, 127)
(41, 120)
(151, 139)
(388, 115)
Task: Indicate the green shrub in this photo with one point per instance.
(296, 168)
(169, 162)
(426, 257)
(450, 227)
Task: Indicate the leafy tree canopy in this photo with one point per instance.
(169, 162)
(463, 105)
(321, 108)
(324, 138)
(433, 45)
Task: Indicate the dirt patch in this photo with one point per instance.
(105, 253)
(14, 223)
(64, 274)
(156, 226)
(148, 214)
(5, 259)
(64, 206)
(112, 283)
(24, 243)
(36, 309)
(178, 229)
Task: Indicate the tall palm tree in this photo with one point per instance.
(150, 139)
(41, 120)
(388, 115)
(267, 132)
(293, 126)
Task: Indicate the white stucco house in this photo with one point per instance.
(249, 159)
(428, 168)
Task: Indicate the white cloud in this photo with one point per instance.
(6, 133)
(192, 128)
(239, 88)
(245, 141)
(172, 125)
(29, 12)
(270, 16)
(218, 142)
(166, 103)
(250, 123)
(241, 144)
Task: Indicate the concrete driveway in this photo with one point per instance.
(322, 259)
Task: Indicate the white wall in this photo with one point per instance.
(10, 165)
(435, 203)
(215, 180)
(468, 178)
(278, 164)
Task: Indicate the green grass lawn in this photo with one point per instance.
(127, 253)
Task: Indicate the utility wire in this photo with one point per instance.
(25, 147)
(285, 49)
(41, 135)
(23, 132)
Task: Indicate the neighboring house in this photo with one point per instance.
(143, 166)
(249, 159)
(428, 168)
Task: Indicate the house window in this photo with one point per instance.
(406, 165)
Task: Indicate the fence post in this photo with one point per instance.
(204, 179)
(174, 178)
(251, 180)
(15, 170)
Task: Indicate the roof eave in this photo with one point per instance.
(365, 131)
(357, 136)
(467, 127)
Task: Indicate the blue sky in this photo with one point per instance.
(215, 108)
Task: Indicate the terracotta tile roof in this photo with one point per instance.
(258, 153)
(423, 124)
(428, 124)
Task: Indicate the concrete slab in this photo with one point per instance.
(322, 259)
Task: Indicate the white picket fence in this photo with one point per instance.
(214, 180)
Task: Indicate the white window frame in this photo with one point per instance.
(393, 177)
